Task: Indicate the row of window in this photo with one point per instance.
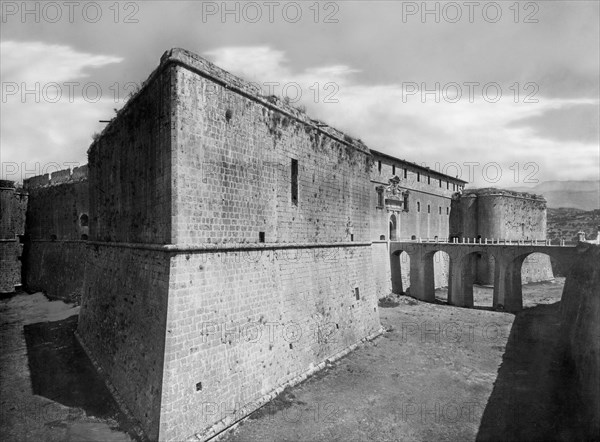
(380, 203)
(429, 208)
(455, 186)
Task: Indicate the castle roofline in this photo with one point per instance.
(418, 166)
(200, 66)
(493, 191)
(207, 69)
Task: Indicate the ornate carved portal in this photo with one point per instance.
(395, 198)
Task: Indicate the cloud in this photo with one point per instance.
(42, 130)
(570, 122)
(32, 62)
(266, 66)
(523, 138)
(555, 135)
(260, 62)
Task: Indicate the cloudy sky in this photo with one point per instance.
(499, 93)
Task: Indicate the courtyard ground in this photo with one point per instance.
(438, 373)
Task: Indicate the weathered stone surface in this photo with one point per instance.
(56, 228)
(493, 214)
(57, 268)
(58, 212)
(580, 325)
(13, 205)
(195, 233)
(122, 325)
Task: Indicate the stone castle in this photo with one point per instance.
(224, 245)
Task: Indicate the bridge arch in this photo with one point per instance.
(393, 235)
(422, 267)
(513, 278)
(400, 261)
(441, 269)
(507, 258)
(476, 266)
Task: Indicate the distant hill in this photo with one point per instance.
(584, 195)
(564, 223)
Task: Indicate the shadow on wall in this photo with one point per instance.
(580, 332)
(533, 396)
(547, 387)
(61, 371)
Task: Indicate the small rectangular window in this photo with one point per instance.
(294, 182)
(405, 174)
(428, 179)
(380, 197)
(440, 183)
(447, 210)
(405, 205)
(418, 176)
(453, 186)
(447, 184)
(261, 236)
(428, 208)
(393, 170)
(379, 166)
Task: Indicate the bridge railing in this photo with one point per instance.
(492, 241)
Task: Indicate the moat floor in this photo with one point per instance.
(49, 390)
(438, 373)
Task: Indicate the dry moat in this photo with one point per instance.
(438, 373)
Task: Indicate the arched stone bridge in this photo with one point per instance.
(507, 272)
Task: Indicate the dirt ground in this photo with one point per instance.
(49, 390)
(438, 373)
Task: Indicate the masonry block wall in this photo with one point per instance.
(502, 214)
(580, 328)
(427, 212)
(124, 308)
(122, 324)
(56, 231)
(13, 205)
(216, 214)
(380, 263)
(235, 164)
(274, 272)
(420, 208)
(241, 323)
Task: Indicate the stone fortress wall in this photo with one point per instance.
(232, 257)
(13, 205)
(225, 245)
(56, 231)
(408, 202)
(489, 213)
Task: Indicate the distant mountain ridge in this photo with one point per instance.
(584, 195)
